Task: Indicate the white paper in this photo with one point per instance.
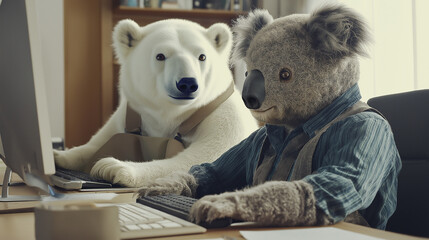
(323, 233)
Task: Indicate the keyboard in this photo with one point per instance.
(76, 175)
(140, 221)
(180, 206)
(71, 179)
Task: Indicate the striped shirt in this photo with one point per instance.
(356, 163)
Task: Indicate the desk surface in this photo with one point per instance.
(20, 224)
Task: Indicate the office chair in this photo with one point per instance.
(408, 115)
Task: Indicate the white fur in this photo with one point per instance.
(146, 84)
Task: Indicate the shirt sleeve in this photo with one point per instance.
(229, 171)
(354, 159)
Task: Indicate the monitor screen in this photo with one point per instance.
(24, 123)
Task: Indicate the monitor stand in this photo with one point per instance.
(5, 197)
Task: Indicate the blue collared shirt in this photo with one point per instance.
(356, 163)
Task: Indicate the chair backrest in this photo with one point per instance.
(408, 115)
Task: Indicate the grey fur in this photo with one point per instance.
(317, 79)
(180, 183)
(245, 28)
(337, 31)
(272, 203)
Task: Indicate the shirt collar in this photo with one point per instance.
(339, 105)
(277, 135)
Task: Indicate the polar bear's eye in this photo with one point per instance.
(160, 57)
(202, 57)
(245, 74)
(285, 74)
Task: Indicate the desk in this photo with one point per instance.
(20, 225)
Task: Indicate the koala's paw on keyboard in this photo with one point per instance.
(180, 206)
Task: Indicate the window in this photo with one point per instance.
(399, 55)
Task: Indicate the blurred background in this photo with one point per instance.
(80, 87)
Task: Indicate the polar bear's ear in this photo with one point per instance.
(125, 36)
(245, 28)
(220, 36)
(336, 31)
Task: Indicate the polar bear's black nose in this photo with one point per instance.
(187, 85)
(254, 90)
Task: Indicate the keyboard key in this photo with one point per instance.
(132, 227)
(124, 219)
(164, 221)
(131, 216)
(171, 225)
(153, 218)
(155, 225)
(144, 226)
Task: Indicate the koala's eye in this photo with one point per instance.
(245, 74)
(202, 57)
(285, 74)
(160, 57)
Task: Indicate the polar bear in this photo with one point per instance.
(169, 69)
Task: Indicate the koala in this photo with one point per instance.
(169, 70)
(323, 156)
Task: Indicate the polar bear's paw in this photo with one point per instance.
(115, 171)
(68, 159)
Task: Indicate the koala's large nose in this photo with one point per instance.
(187, 85)
(254, 89)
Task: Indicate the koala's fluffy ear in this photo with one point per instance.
(337, 31)
(245, 28)
(220, 36)
(126, 35)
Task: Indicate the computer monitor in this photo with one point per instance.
(24, 123)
